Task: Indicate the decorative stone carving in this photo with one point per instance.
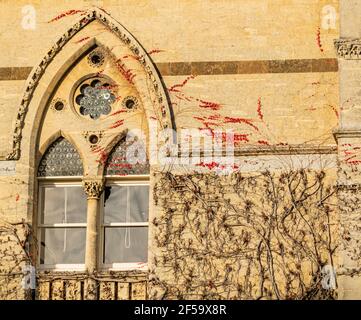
(89, 134)
(348, 48)
(93, 187)
(122, 34)
(130, 103)
(58, 105)
(96, 58)
(351, 187)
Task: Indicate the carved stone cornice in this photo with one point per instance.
(349, 49)
(93, 187)
(346, 133)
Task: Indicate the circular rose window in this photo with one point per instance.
(94, 98)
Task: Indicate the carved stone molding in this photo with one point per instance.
(348, 48)
(163, 115)
(96, 58)
(346, 133)
(93, 187)
(130, 103)
(58, 105)
(349, 187)
(89, 134)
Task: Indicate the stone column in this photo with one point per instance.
(348, 136)
(93, 188)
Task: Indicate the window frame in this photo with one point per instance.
(68, 181)
(58, 181)
(141, 180)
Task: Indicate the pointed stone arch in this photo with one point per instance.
(162, 110)
(61, 158)
(43, 149)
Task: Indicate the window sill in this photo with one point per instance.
(101, 275)
(62, 268)
(126, 267)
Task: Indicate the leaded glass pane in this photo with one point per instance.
(128, 157)
(61, 159)
(95, 99)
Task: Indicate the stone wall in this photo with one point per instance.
(266, 69)
(265, 235)
(223, 45)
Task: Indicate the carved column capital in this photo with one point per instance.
(93, 187)
(349, 49)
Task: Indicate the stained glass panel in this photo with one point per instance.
(61, 159)
(95, 99)
(128, 157)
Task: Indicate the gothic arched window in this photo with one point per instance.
(62, 207)
(125, 206)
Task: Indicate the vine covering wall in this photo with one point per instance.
(244, 236)
(14, 255)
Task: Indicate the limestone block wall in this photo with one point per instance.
(266, 69)
(244, 55)
(269, 234)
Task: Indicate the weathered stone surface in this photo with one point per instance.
(266, 69)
